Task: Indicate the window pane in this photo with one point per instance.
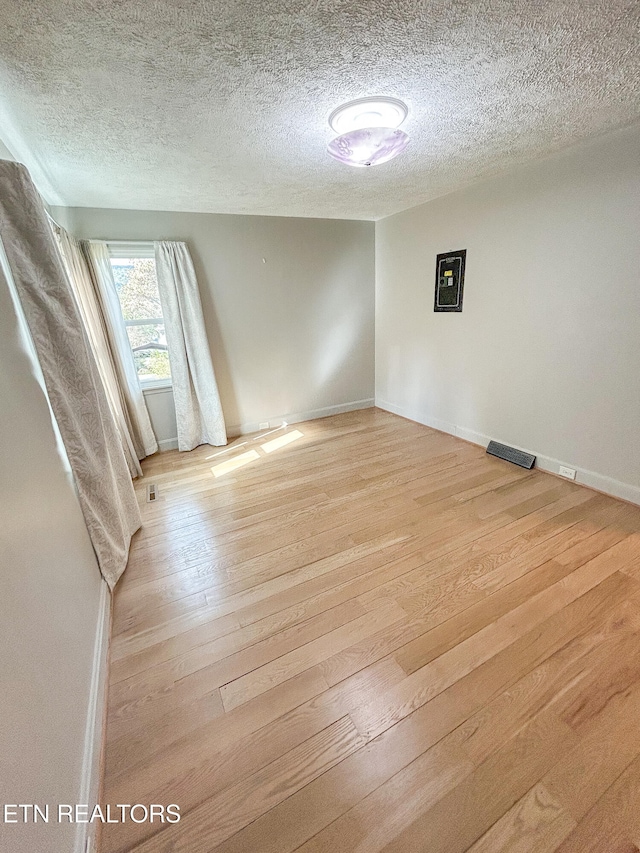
(150, 354)
(137, 287)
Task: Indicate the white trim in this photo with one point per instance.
(130, 248)
(155, 386)
(90, 778)
(601, 482)
(152, 321)
(297, 417)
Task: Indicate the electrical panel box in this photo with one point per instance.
(449, 280)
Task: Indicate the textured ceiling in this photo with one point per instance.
(223, 106)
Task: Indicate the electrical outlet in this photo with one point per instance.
(569, 473)
(264, 425)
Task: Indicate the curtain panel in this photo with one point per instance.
(99, 263)
(75, 390)
(94, 322)
(195, 391)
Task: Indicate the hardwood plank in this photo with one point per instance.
(419, 785)
(253, 683)
(216, 819)
(222, 663)
(613, 824)
(512, 543)
(126, 751)
(130, 745)
(471, 652)
(482, 610)
(481, 735)
(288, 606)
(126, 645)
(375, 637)
(226, 747)
(235, 596)
(342, 664)
(300, 817)
(537, 823)
(464, 815)
(609, 739)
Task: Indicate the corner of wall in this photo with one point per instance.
(585, 477)
(91, 778)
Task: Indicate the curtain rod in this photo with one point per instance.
(51, 219)
(124, 242)
(115, 242)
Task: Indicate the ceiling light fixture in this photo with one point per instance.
(368, 112)
(368, 131)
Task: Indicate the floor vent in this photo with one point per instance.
(510, 454)
(152, 492)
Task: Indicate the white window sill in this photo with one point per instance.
(156, 387)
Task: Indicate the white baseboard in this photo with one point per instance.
(90, 779)
(298, 417)
(292, 418)
(601, 482)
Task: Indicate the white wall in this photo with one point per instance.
(5, 154)
(288, 303)
(546, 353)
(51, 604)
(162, 414)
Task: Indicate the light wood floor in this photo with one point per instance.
(376, 637)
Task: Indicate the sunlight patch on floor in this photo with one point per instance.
(281, 441)
(236, 462)
(251, 455)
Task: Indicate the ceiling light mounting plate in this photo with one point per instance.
(375, 111)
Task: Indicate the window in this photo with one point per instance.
(134, 273)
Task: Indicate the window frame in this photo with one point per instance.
(145, 251)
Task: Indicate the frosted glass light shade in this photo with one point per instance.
(368, 146)
(368, 112)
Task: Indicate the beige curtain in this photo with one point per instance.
(97, 333)
(75, 390)
(97, 257)
(195, 391)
